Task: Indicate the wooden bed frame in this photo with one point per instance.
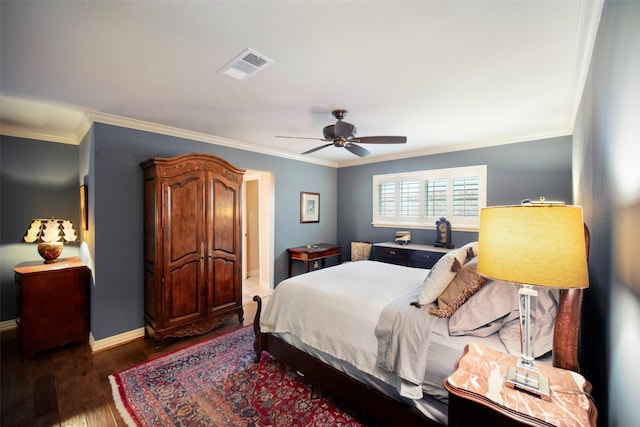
(385, 410)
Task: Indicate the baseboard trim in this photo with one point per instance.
(8, 325)
(115, 340)
(99, 345)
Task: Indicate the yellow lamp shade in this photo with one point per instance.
(542, 245)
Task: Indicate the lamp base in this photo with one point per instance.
(50, 251)
(528, 380)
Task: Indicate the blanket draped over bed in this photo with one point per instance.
(404, 335)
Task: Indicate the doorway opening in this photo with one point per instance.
(257, 231)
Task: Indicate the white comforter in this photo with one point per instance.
(299, 305)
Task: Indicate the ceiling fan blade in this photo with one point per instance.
(318, 148)
(381, 139)
(299, 137)
(357, 150)
(344, 130)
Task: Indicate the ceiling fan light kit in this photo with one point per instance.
(343, 134)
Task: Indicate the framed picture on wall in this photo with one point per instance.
(309, 207)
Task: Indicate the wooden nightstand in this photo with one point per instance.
(52, 304)
(477, 393)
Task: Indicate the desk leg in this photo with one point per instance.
(323, 262)
(290, 262)
(306, 266)
(340, 258)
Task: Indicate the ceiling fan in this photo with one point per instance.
(343, 134)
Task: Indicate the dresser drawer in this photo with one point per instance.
(423, 259)
(390, 255)
(411, 255)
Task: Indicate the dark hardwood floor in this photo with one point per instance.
(69, 386)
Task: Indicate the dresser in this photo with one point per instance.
(192, 245)
(52, 304)
(410, 255)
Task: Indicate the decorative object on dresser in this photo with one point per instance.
(309, 207)
(52, 306)
(403, 237)
(533, 244)
(410, 254)
(443, 234)
(50, 235)
(192, 244)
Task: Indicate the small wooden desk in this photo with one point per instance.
(320, 251)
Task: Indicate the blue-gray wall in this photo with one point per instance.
(525, 170)
(607, 175)
(38, 179)
(108, 161)
(117, 207)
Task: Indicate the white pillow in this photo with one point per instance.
(442, 273)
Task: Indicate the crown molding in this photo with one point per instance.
(129, 123)
(456, 147)
(588, 21)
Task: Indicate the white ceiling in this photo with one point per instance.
(446, 74)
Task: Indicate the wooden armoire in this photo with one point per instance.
(192, 245)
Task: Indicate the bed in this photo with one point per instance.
(373, 335)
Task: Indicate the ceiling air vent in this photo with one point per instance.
(246, 65)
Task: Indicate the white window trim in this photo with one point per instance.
(423, 222)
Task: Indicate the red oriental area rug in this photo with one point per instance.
(218, 383)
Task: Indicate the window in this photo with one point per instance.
(419, 199)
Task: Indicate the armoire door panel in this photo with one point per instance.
(224, 290)
(151, 221)
(183, 295)
(184, 217)
(224, 217)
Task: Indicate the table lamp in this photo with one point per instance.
(50, 235)
(533, 244)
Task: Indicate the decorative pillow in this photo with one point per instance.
(466, 283)
(442, 273)
(472, 249)
(494, 308)
(360, 251)
(487, 310)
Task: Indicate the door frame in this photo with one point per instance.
(266, 225)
